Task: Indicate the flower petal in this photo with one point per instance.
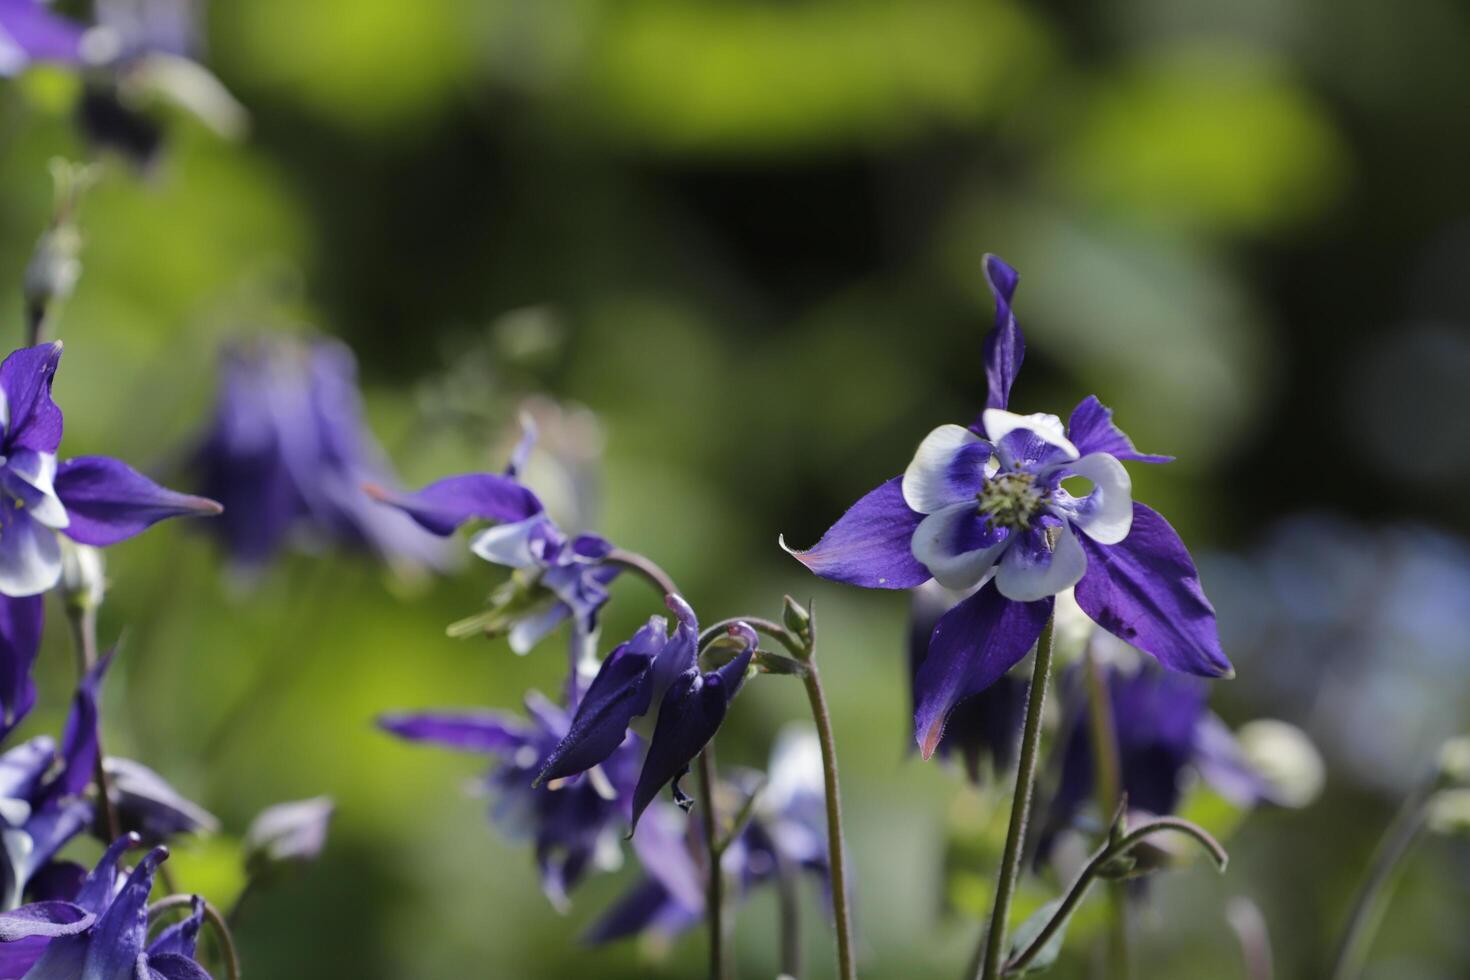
(171, 966)
(31, 477)
(869, 545)
(1106, 514)
(534, 627)
(443, 506)
(972, 646)
(30, 555)
(688, 717)
(948, 467)
(117, 939)
(44, 919)
(31, 418)
(467, 730)
(510, 544)
(1031, 570)
(1005, 347)
(20, 639)
(180, 938)
(1000, 423)
(1145, 590)
(1092, 430)
(959, 546)
(79, 738)
(38, 35)
(108, 501)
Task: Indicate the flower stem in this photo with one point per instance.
(1368, 906)
(1010, 865)
(643, 567)
(216, 921)
(836, 844)
(789, 910)
(719, 968)
(83, 621)
(1108, 787)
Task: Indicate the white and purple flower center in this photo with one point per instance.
(996, 506)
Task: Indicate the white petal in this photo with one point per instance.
(4, 402)
(532, 629)
(1048, 428)
(30, 557)
(507, 544)
(932, 546)
(1105, 514)
(1024, 578)
(926, 483)
(39, 471)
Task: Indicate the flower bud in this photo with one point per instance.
(796, 618)
(1285, 759)
(1449, 812)
(83, 574)
(54, 268)
(287, 833)
(1454, 761)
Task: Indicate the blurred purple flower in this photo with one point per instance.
(288, 833)
(984, 508)
(93, 500)
(100, 932)
(575, 824)
(147, 805)
(29, 32)
(288, 453)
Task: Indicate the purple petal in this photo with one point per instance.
(116, 940)
(97, 890)
(148, 804)
(621, 691)
(972, 647)
(443, 506)
(870, 545)
(690, 714)
(17, 958)
(79, 738)
(293, 832)
(169, 966)
(1005, 347)
(32, 420)
(20, 639)
(40, 35)
(180, 938)
(108, 501)
(1145, 590)
(57, 881)
(44, 919)
(1091, 430)
(469, 730)
(647, 907)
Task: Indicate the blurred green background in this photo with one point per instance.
(748, 236)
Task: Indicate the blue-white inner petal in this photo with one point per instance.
(1000, 423)
(508, 544)
(1105, 514)
(30, 555)
(1030, 570)
(958, 545)
(949, 466)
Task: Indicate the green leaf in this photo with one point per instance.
(1027, 932)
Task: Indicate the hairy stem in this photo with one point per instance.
(836, 842)
(1108, 787)
(83, 621)
(1010, 865)
(719, 968)
(643, 567)
(1368, 906)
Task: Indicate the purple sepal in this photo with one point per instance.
(688, 717)
(108, 501)
(170, 966)
(21, 620)
(44, 919)
(1005, 347)
(973, 645)
(1091, 430)
(441, 507)
(1145, 591)
(32, 420)
(871, 544)
(79, 737)
(180, 938)
(468, 730)
(39, 34)
(147, 803)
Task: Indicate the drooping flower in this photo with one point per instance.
(29, 32)
(574, 824)
(1165, 730)
(556, 576)
(93, 500)
(288, 453)
(288, 834)
(984, 726)
(101, 932)
(986, 508)
(147, 805)
(786, 835)
(653, 665)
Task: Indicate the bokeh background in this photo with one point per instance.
(747, 235)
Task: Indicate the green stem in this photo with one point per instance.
(1362, 923)
(836, 843)
(644, 568)
(1010, 866)
(1108, 787)
(719, 968)
(83, 621)
(789, 910)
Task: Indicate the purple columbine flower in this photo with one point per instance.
(288, 453)
(653, 665)
(984, 508)
(148, 805)
(31, 32)
(1164, 729)
(556, 576)
(575, 824)
(93, 500)
(101, 932)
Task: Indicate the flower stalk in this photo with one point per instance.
(1108, 786)
(82, 618)
(1010, 868)
(719, 963)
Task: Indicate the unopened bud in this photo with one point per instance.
(287, 833)
(54, 269)
(83, 574)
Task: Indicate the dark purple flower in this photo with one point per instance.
(984, 725)
(101, 933)
(148, 805)
(31, 32)
(574, 824)
(556, 577)
(93, 500)
(288, 453)
(1164, 729)
(984, 509)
